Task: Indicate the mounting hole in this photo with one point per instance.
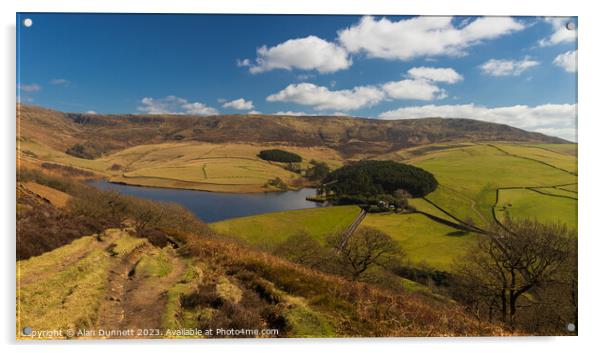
(570, 26)
(571, 327)
(27, 22)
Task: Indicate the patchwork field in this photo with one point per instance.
(469, 176)
(191, 165)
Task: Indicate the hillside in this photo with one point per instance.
(479, 183)
(220, 153)
(351, 137)
(116, 279)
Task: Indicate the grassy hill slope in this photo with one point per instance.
(118, 281)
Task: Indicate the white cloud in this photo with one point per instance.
(30, 88)
(93, 112)
(421, 36)
(561, 33)
(239, 104)
(556, 119)
(174, 105)
(420, 86)
(413, 89)
(567, 61)
(436, 74)
(198, 108)
(495, 67)
(254, 112)
(309, 53)
(321, 98)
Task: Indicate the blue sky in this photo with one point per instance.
(520, 71)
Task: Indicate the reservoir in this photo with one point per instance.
(217, 206)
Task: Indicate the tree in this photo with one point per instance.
(303, 249)
(145, 214)
(318, 170)
(277, 155)
(372, 177)
(512, 266)
(363, 249)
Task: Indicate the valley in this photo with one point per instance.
(133, 257)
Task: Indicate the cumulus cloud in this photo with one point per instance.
(553, 119)
(30, 88)
(322, 98)
(422, 36)
(421, 85)
(495, 67)
(309, 53)
(561, 33)
(413, 89)
(436, 74)
(174, 105)
(239, 104)
(567, 61)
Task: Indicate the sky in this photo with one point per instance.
(520, 71)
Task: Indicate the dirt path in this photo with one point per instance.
(111, 312)
(134, 301)
(146, 298)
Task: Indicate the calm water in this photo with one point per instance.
(216, 206)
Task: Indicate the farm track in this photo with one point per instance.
(461, 224)
(353, 227)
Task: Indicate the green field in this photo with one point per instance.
(269, 230)
(526, 203)
(422, 239)
(470, 175)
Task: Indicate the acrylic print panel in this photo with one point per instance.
(227, 176)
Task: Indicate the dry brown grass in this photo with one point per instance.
(355, 308)
(55, 197)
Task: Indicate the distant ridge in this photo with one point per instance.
(350, 136)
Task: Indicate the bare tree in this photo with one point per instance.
(513, 264)
(303, 249)
(363, 249)
(145, 214)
